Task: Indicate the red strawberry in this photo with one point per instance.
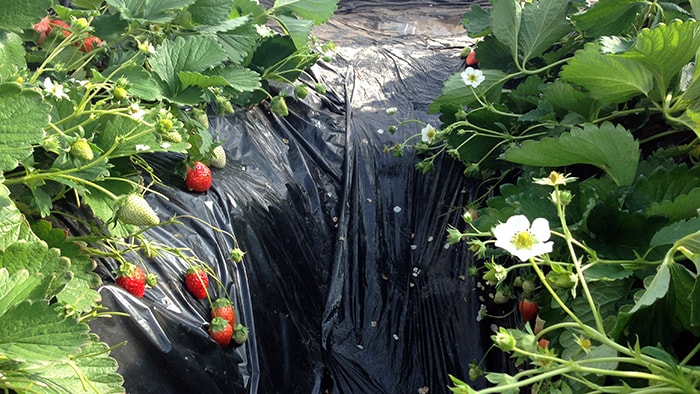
(197, 281)
(89, 44)
(528, 309)
(198, 177)
(47, 25)
(220, 331)
(223, 308)
(471, 59)
(132, 278)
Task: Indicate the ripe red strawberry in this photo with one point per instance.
(220, 331)
(223, 308)
(132, 278)
(47, 25)
(198, 177)
(89, 44)
(528, 309)
(197, 281)
(471, 59)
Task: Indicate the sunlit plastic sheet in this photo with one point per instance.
(347, 285)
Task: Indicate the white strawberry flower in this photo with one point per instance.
(55, 88)
(428, 133)
(472, 77)
(521, 239)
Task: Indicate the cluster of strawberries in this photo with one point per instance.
(48, 26)
(222, 327)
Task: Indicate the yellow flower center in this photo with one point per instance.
(524, 240)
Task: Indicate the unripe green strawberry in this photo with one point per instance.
(279, 106)
(223, 308)
(172, 136)
(220, 331)
(132, 278)
(300, 91)
(135, 210)
(240, 334)
(201, 117)
(151, 280)
(164, 125)
(321, 88)
(81, 150)
(218, 159)
(197, 281)
(224, 105)
(237, 255)
(119, 93)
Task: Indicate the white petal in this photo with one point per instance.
(542, 248)
(540, 229)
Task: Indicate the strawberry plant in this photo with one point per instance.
(599, 103)
(88, 92)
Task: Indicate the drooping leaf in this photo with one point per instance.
(16, 16)
(608, 17)
(23, 116)
(608, 147)
(656, 289)
(210, 12)
(298, 29)
(544, 22)
(149, 11)
(609, 78)
(318, 11)
(33, 331)
(506, 18)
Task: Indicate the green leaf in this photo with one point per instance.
(11, 55)
(37, 257)
(240, 79)
(678, 301)
(318, 11)
(23, 116)
(477, 21)
(94, 363)
(609, 17)
(665, 49)
(149, 11)
(456, 93)
(683, 207)
(609, 78)
(188, 78)
(610, 148)
(20, 286)
(19, 15)
(673, 232)
(211, 12)
(298, 29)
(563, 95)
(506, 17)
(103, 205)
(191, 53)
(239, 43)
(11, 220)
(142, 83)
(544, 22)
(656, 289)
(33, 331)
